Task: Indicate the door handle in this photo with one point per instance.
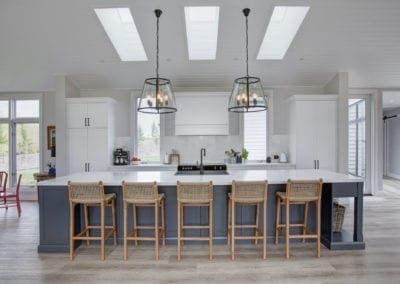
(85, 121)
(315, 164)
(88, 167)
(318, 164)
(85, 164)
(88, 121)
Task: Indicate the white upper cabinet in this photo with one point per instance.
(313, 131)
(202, 114)
(88, 112)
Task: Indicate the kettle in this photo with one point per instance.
(283, 158)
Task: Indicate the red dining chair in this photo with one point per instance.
(3, 184)
(5, 196)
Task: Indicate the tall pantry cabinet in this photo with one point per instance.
(313, 131)
(90, 134)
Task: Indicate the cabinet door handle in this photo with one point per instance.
(85, 121)
(85, 163)
(88, 167)
(88, 121)
(317, 164)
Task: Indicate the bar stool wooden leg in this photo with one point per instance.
(102, 230)
(305, 220)
(287, 227)
(114, 222)
(71, 230)
(278, 218)
(156, 230)
(135, 230)
(210, 230)
(163, 220)
(85, 211)
(125, 208)
(178, 255)
(257, 217)
(233, 230)
(318, 228)
(182, 220)
(265, 230)
(229, 222)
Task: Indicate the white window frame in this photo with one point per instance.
(12, 121)
(134, 118)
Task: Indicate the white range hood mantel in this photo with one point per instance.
(202, 113)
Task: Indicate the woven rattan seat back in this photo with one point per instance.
(189, 191)
(140, 191)
(249, 190)
(296, 189)
(86, 192)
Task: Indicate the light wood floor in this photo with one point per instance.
(380, 262)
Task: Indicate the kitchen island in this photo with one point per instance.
(54, 206)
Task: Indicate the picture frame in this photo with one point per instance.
(51, 137)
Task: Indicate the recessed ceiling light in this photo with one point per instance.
(282, 28)
(121, 30)
(202, 32)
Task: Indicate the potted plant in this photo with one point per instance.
(245, 154)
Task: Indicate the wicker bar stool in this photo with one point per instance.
(195, 194)
(143, 195)
(91, 194)
(299, 193)
(250, 193)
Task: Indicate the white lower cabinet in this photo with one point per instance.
(313, 131)
(90, 134)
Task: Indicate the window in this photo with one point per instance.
(357, 136)
(148, 137)
(20, 152)
(255, 134)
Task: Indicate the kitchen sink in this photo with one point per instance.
(208, 169)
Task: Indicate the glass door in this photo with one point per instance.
(359, 140)
(27, 151)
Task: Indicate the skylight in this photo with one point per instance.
(282, 28)
(121, 30)
(202, 32)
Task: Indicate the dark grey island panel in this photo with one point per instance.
(54, 215)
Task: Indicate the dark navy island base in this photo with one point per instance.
(54, 215)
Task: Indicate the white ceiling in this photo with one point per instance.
(391, 100)
(41, 38)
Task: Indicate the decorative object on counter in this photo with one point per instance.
(283, 158)
(121, 157)
(174, 156)
(268, 160)
(52, 170)
(247, 94)
(135, 160)
(157, 95)
(275, 158)
(233, 156)
(43, 176)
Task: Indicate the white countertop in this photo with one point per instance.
(168, 178)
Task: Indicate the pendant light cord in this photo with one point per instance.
(247, 47)
(157, 48)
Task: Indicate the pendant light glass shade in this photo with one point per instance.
(157, 94)
(247, 93)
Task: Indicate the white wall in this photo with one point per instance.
(48, 119)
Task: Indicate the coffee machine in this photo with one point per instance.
(121, 157)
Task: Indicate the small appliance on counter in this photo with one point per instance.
(121, 157)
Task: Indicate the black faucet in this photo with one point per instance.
(202, 154)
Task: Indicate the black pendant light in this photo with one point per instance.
(247, 94)
(157, 95)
